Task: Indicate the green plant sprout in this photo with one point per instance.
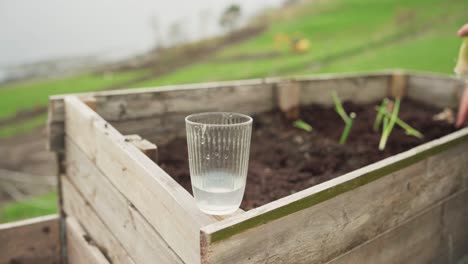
(382, 112)
(408, 129)
(348, 120)
(303, 125)
(388, 124)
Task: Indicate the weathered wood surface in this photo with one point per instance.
(247, 96)
(456, 225)
(146, 102)
(76, 206)
(80, 250)
(330, 219)
(436, 90)
(153, 111)
(356, 88)
(114, 214)
(398, 84)
(169, 208)
(437, 235)
(145, 146)
(163, 109)
(30, 241)
(288, 94)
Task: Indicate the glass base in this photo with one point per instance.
(218, 212)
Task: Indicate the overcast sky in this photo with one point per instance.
(33, 30)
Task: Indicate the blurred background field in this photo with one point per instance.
(292, 38)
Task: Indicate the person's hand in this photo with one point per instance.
(463, 107)
(463, 31)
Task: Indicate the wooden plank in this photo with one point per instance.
(333, 217)
(79, 248)
(398, 84)
(435, 90)
(75, 205)
(122, 98)
(30, 241)
(148, 148)
(126, 109)
(339, 185)
(356, 88)
(455, 220)
(246, 98)
(121, 218)
(146, 102)
(158, 103)
(288, 94)
(169, 208)
(422, 239)
(90, 101)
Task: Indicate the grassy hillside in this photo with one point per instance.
(33, 95)
(345, 36)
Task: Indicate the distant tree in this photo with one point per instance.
(230, 17)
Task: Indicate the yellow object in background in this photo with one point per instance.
(462, 64)
(301, 45)
(297, 43)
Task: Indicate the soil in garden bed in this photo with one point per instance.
(284, 159)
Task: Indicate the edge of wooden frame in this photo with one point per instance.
(30, 221)
(79, 248)
(20, 240)
(56, 104)
(230, 226)
(116, 157)
(327, 190)
(246, 82)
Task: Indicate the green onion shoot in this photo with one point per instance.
(302, 125)
(389, 123)
(347, 119)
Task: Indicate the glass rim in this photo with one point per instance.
(247, 122)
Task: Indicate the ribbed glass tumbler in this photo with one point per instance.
(218, 150)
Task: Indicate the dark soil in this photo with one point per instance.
(285, 160)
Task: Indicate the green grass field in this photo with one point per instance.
(345, 36)
(41, 205)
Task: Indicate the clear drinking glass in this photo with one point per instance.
(218, 150)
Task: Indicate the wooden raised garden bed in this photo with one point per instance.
(407, 208)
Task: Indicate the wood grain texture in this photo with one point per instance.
(145, 146)
(359, 89)
(30, 241)
(247, 98)
(128, 98)
(150, 111)
(455, 221)
(79, 248)
(288, 94)
(169, 208)
(398, 84)
(341, 222)
(425, 238)
(435, 90)
(121, 219)
(76, 206)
